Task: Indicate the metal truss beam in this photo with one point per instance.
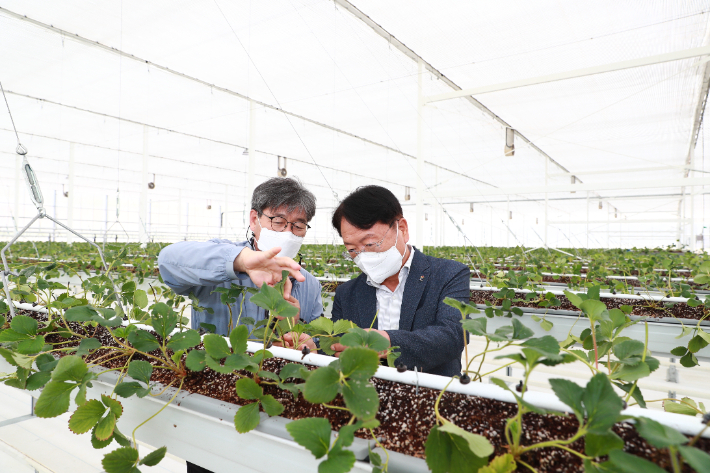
(600, 186)
(587, 71)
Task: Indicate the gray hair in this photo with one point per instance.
(280, 191)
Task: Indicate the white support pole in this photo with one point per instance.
(587, 220)
(587, 71)
(179, 214)
(18, 185)
(54, 224)
(70, 199)
(251, 167)
(547, 161)
(143, 205)
(507, 224)
(419, 240)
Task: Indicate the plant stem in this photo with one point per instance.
(440, 419)
(643, 360)
(159, 411)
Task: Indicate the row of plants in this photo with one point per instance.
(143, 335)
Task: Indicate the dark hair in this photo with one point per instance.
(280, 191)
(367, 206)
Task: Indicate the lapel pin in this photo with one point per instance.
(421, 278)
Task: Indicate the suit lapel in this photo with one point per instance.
(367, 304)
(413, 290)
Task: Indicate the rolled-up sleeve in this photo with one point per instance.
(188, 264)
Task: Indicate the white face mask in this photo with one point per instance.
(380, 266)
(287, 241)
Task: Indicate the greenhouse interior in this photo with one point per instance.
(374, 236)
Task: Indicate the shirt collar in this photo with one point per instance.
(407, 264)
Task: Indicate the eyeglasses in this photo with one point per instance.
(370, 247)
(280, 224)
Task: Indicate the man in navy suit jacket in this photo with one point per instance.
(401, 291)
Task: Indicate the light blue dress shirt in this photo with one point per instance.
(201, 267)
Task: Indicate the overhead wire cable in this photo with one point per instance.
(308, 151)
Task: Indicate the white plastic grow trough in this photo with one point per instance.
(201, 430)
(661, 333)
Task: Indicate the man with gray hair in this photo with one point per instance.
(281, 210)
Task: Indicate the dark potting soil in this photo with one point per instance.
(647, 308)
(406, 413)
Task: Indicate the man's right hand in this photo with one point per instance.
(265, 267)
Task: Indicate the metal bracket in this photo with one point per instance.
(673, 375)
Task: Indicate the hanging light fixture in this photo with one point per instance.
(407, 194)
(535, 220)
(426, 217)
(615, 212)
(600, 205)
(282, 172)
(574, 181)
(509, 148)
(510, 215)
(471, 209)
(245, 152)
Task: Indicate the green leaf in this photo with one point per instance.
(593, 309)
(143, 341)
(154, 457)
(248, 389)
(322, 385)
(546, 325)
(238, 339)
(520, 331)
(291, 370)
(247, 418)
(696, 458)
(342, 326)
(696, 344)
(546, 346)
(70, 368)
(476, 326)
(82, 313)
(140, 298)
(361, 398)
(87, 345)
(479, 445)
(115, 406)
(216, 346)
(600, 444)
(120, 438)
(569, 393)
(37, 380)
(184, 340)
(704, 335)
(623, 462)
(322, 325)
(689, 360)
(195, 360)
(31, 346)
(98, 444)
(632, 373)
(86, 416)
(271, 405)
(54, 399)
(104, 429)
(464, 308)
(447, 453)
(657, 434)
(686, 406)
(502, 464)
(209, 327)
(312, 433)
(602, 404)
(357, 337)
(140, 370)
(338, 461)
(10, 335)
(128, 389)
(24, 325)
(121, 460)
(629, 351)
(574, 299)
(359, 362)
(636, 393)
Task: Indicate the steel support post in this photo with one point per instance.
(419, 240)
(547, 160)
(143, 205)
(70, 197)
(251, 166)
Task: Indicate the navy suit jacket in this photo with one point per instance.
(430, 335)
